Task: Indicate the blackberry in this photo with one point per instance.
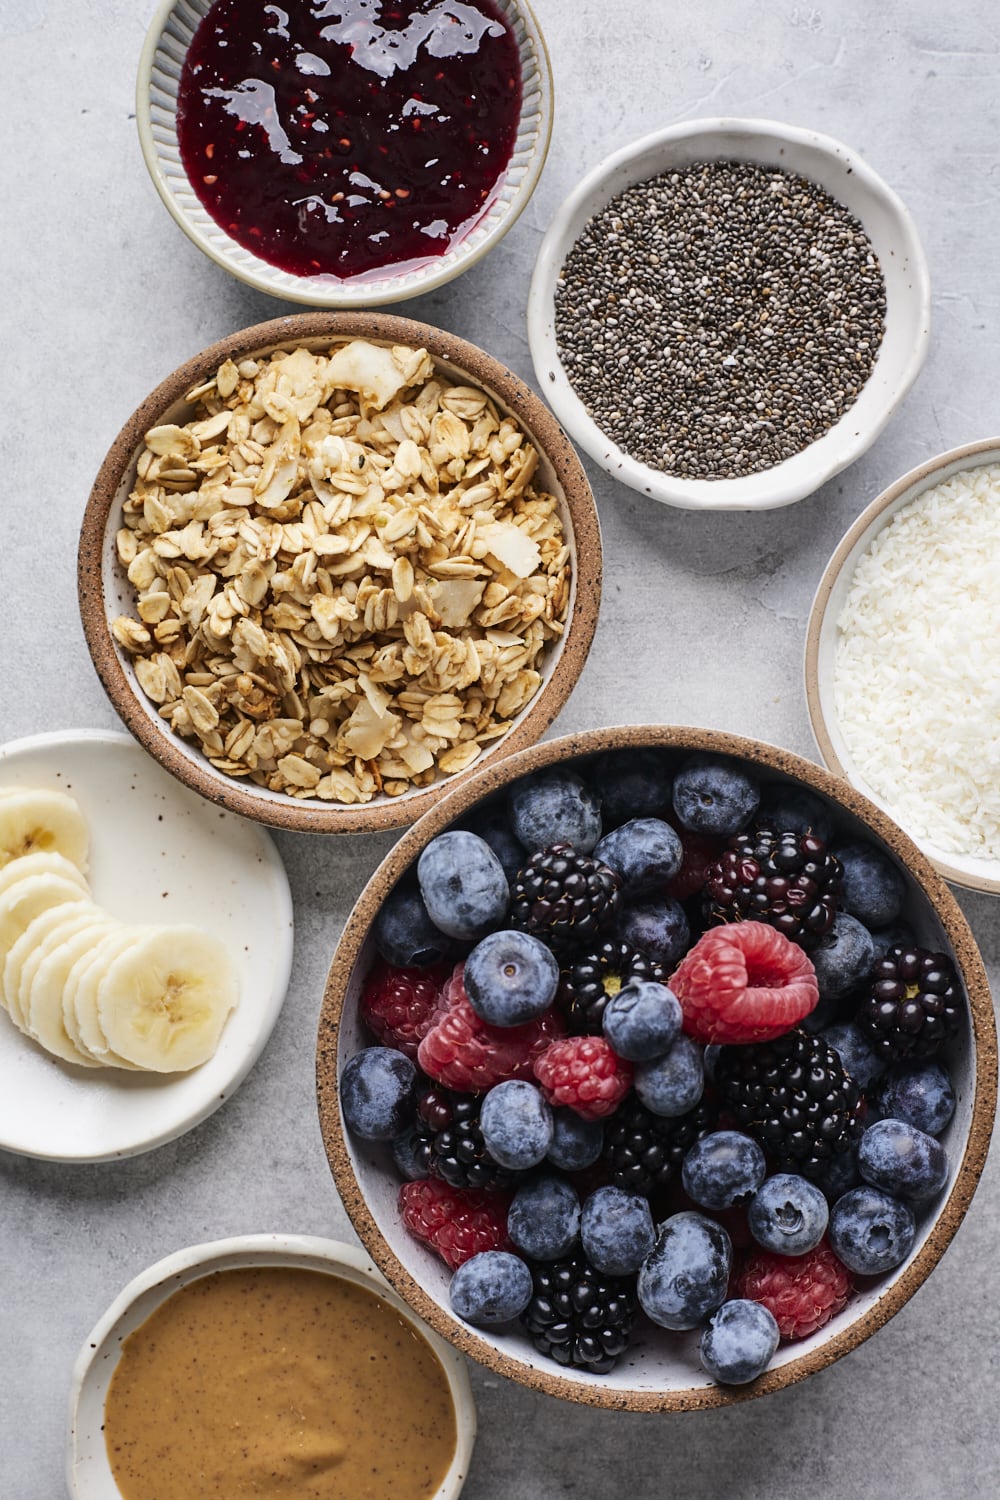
(793, 1095)
(579, 1317)
(914, 1004)
(567, 899)
(787, 879)
(589, 983)
(644, 1151)
(449, 1142)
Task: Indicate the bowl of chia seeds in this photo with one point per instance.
(727, 312)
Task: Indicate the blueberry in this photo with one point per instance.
(555, 807)
(723, 1169)
(644, 854)
(544, 1217)
(378, 1090)
(616, 1231)
(843, 957)
(658, 927)
(686, 1274)
(788, 1214)
(902, 1160)
(491, 1287)
(739, 1342)
(493, 827)
(795, 809)
(631, 784)
(896, 935)
(463, 885)
(404, 933)
(643, 1020)
(874, 889)
(404, 1154)
(855, 1052)
(510, 978)
(576, 1143)
(839, 1174)
(919, 1093)
(870, 1231)
(672, 1084)
(828, 1012)
(714, 796)
(709, 1059)
(517, 1124)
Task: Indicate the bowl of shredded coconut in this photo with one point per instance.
(902, 665)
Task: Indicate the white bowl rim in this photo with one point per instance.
(715, 494)
(310, 1252)
(969, 873)
(298, 288)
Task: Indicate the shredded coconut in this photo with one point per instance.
(917, 664)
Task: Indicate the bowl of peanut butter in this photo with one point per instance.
(261, 1365)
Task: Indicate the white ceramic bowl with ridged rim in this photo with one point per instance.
(162, 59)
(88, 1472)
(823, 633)
(846, 178)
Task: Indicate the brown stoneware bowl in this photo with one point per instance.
(105, 591)
(660, 1371)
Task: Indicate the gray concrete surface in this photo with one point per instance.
(102, 296)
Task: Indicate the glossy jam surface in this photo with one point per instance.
(277, 1382)
(337, 138)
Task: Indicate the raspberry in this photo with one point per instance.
(465, 1053)
(700, 853)
(802, 1291)
(583, 1073)
(456, 1222)
(399, 1005)
(744, 983)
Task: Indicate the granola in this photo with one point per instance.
(346, 580)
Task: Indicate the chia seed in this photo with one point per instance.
(715, 321)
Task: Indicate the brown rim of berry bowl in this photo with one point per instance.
(891, 1292)
(99, 572)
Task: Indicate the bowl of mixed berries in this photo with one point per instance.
(656, 1068)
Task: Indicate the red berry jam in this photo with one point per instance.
(340, 137)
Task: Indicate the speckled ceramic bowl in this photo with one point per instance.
(846, 178)
(831, 734)
(105, 591)
(171, 29)
(88, 1472)
(660, 1372)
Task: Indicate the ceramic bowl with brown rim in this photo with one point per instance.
(106, 593)
(660, 1371)
(908, 600)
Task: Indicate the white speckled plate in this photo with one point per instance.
(158, 853)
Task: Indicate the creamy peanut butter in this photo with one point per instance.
(275, 1381)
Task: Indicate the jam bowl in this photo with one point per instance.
(374, 158)
(497, 666)
(90, 1469)
(658, 1370)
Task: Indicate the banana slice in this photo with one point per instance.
(43, 1008)
(44, 822)
(42, 937)
(163, 1002)
(41, 864)
(67, 915)
(26, 900)
(83, 1026)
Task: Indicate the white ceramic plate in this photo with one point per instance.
(88, 1472)
(846, 178)
(821, 649)
(158, 854)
